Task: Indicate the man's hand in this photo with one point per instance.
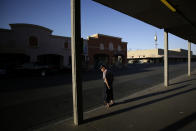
(106, 81)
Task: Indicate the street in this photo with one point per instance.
(30, 101)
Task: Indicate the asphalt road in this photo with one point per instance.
(30, 101)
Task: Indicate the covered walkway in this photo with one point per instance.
(176, 17)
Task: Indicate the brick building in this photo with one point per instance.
(104, 49)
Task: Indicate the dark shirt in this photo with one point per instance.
(109, 77)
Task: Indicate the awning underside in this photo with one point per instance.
(181, 23)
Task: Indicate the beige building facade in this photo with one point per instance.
(156, 55)
(25, 43)
(28, 43)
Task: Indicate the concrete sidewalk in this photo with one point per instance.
(153, 109)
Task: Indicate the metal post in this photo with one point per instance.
(189, 58)
(76, 62)
(166, 74)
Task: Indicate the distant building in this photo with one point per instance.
(104, 49)
(32, 43)
(157, 55)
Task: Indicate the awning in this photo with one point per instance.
(175, 16)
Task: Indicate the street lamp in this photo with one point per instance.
(155, 39)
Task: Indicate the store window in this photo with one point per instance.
(101, 46)
(33, 42)
(66, 45)
(119, 48)
(111, 47)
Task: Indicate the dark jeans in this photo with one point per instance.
(108, 93)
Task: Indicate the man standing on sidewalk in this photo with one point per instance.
(108, 86)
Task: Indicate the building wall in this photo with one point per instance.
(101, 44)
(143, 53)
(178, 53)
(156, 55)
(21, 37)
(17, 40)
(153, 53)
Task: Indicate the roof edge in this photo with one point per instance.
(30, 25)
(98, 35)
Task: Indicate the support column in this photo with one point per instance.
(76, 62)
(166, 74)
(189, 58)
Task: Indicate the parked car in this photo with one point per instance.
(3, 72)
(36, 69)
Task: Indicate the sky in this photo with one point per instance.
(95, 18)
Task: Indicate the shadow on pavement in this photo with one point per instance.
(181, 123)
(150, 95)
(142, 104)
(182, 82)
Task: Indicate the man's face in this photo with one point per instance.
(103, 69)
